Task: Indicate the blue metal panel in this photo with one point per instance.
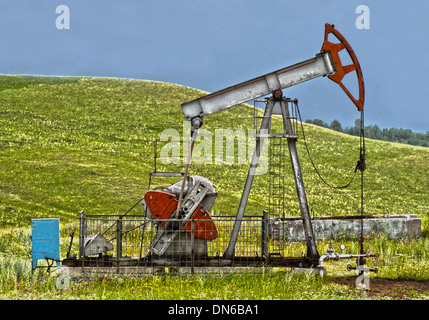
(45, 238)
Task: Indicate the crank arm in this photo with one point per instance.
(334, 49)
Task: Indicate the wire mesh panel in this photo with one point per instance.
(249, 240)
(133, 241)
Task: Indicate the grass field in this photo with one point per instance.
(71, 144)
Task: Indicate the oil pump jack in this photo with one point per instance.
(326, 63)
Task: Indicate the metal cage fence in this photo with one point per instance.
(132, 239)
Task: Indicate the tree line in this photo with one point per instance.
(406, 136)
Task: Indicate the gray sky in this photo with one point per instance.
(211, 45)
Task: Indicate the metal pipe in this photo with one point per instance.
(321, 65)
(331, 255)
(265, 231)
(229, 253)
(192, 246)
(81, 234)
(185, 177)
(299, 184)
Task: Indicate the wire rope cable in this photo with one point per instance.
(314, 166)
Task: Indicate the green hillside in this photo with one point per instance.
(71, 144)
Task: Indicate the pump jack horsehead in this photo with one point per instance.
(166, 205)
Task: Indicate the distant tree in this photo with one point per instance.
(374, 132)
(385, 134)
(407, 134)
(320, 123)
(413, 141)
(336, 125)
(394, 134)
(421, 138)
(357, 123)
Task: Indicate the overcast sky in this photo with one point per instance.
(210, 45)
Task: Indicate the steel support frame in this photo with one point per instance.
(291, 136)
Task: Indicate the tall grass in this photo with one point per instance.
(399, 259)
(17, 282)
(231, 286)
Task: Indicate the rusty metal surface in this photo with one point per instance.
(162, 205)
(334, 49)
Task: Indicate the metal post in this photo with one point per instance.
(119, 238)
(299, 183)
(302, 198)
(141, 242)
(155, 146)
(192, 246)
(229, 253)
(264, 240)
(81, 234)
